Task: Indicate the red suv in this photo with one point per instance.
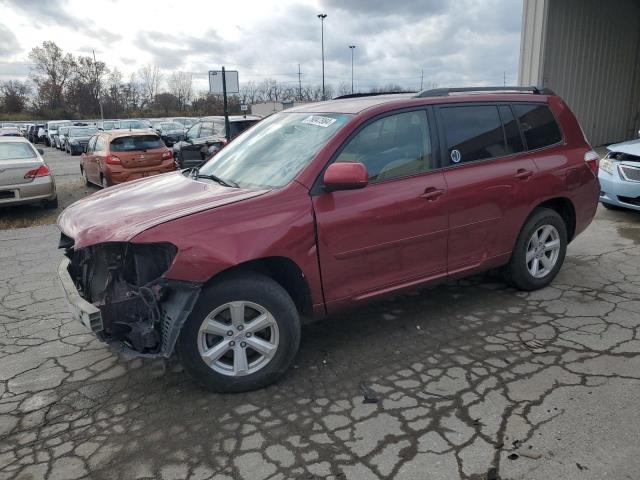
(326, 206)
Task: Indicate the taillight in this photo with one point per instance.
(41, 171)
(592, 159)
(167, 155)
(113, 160)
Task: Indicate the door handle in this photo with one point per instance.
(432, 193)
(523, 174)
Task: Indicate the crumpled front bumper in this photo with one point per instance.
(81, 310)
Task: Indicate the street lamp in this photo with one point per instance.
(322, 16)
(352, 48)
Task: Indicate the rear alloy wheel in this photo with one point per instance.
(242, 334)
(539, 252)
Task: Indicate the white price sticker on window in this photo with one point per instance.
(319, 121)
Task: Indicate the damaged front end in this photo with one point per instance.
(139, 310)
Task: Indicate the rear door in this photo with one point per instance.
(488, 178)
(393, 232)
(190, 155)
(88, 161)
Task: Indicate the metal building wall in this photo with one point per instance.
(591, 57)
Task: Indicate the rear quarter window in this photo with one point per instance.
(538, 125)
(137, 142)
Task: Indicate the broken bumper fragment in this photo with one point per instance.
(81, 310)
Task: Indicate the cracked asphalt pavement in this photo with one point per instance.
(454, 387)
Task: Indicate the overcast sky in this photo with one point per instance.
(456, 42)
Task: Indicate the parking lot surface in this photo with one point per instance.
(440, 384)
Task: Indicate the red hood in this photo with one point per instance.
(119, 213)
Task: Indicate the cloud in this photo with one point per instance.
(8, 42)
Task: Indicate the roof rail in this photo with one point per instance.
(358, 95)
(443, 92)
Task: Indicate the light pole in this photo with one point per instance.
(352, 48)
(322, 16)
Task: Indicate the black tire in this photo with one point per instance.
(516, 272)
(51, 204)
(250, 287)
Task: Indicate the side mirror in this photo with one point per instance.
(345, 176)
(41, 151)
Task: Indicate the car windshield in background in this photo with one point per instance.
(82, 132)
(135, 143)
(272, 153)
(16, 151)
(132, 124)
(171, 126)
(238, 127)
(63, 130)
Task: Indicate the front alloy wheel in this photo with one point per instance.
(238, 338)
(242, 334)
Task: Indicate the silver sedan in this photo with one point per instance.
(24, 175)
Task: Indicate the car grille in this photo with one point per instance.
(630, 200)
(629, 173)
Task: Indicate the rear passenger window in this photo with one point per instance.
(511, 131)
(473, 133)
(538, 125)
(393, 146)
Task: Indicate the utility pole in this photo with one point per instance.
(299, 83)
(352, 48)
(95, 66)
(322, 16)
(504, 78)
(421, 78)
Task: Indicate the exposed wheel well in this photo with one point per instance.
(284, 271)
(564, 207)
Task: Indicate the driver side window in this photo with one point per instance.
(393, 146)
(193, 132)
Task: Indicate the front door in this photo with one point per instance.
(393, 232)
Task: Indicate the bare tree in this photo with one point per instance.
(181, 86)
(150, 79)
(343, 89)
(15, 95)
(51, 71)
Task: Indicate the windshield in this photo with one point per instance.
(171, 126)
(63, 130)
(139, 142)
(82, 132)
(273, 152)
(132, 124)
(16, 151)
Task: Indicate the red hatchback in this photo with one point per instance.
(325, 206)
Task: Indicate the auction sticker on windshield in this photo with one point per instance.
(319, 121)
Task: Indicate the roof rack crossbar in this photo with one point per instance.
(443, 92)
(373, 94)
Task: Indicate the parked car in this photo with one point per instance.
(186, 121)
(32, 133)
(123, 155)
(170, 132)
(51, 130)
(8, 125)
(78, 138)
(60, 138)
(207, 137)
(10, 132)
(322, 207)
(619, 176)
(133, 124)
(24, 176)
(108, 125)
